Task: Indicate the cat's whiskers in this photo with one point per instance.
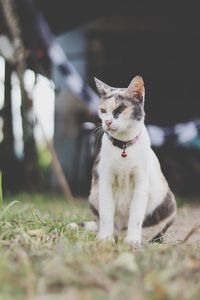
(97, 132)
(98, 138)
(96, 129)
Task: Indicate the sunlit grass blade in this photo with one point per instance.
(1, 194)
(6, 209)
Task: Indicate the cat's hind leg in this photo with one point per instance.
(162, 217)
(159, 237)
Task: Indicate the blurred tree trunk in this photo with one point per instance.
(8, 157)
(8, 140)
(30, 170)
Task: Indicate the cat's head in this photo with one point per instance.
(121, 109)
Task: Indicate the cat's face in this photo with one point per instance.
(120, 109)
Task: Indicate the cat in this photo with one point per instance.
(128, 189)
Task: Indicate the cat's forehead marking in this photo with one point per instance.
(120, 95)
(114, 93)
(109, 104)
(115, 97)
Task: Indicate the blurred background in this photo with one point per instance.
(50, 50)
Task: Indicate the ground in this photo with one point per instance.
(40, 259)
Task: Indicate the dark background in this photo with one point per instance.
(158, 40)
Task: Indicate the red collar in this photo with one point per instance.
(123, 144)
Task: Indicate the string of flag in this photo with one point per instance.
(179, 134)
(182, 133)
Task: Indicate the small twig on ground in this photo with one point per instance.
(190, 233)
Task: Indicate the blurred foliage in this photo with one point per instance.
(44, 163)
(44, 157)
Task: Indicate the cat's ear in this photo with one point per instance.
(136, 88)
(102, 87)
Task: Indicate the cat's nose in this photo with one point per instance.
(108, 122)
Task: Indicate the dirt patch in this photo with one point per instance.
(187, 218)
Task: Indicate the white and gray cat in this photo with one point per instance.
(129, 190)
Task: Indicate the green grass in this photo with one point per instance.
(41, 259)
(1, 195)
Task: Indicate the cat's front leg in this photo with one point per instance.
(106, 210)
(137, 210)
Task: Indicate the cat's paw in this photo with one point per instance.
(105, 238)
(135, 243)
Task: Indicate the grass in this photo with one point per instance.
(40, 259)
(1, 196)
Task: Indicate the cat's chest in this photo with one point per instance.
(122, 184)
(122, 166)
(122, 187)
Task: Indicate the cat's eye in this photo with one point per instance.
(103, 111)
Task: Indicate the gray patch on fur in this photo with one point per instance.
(94, 211)
(116, 112)
(95, 174)
(137, 104)
(107, 96)
(164, 210)
(112, 92)
(138, 112)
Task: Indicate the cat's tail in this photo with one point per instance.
(91, 226)
(88, 226)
